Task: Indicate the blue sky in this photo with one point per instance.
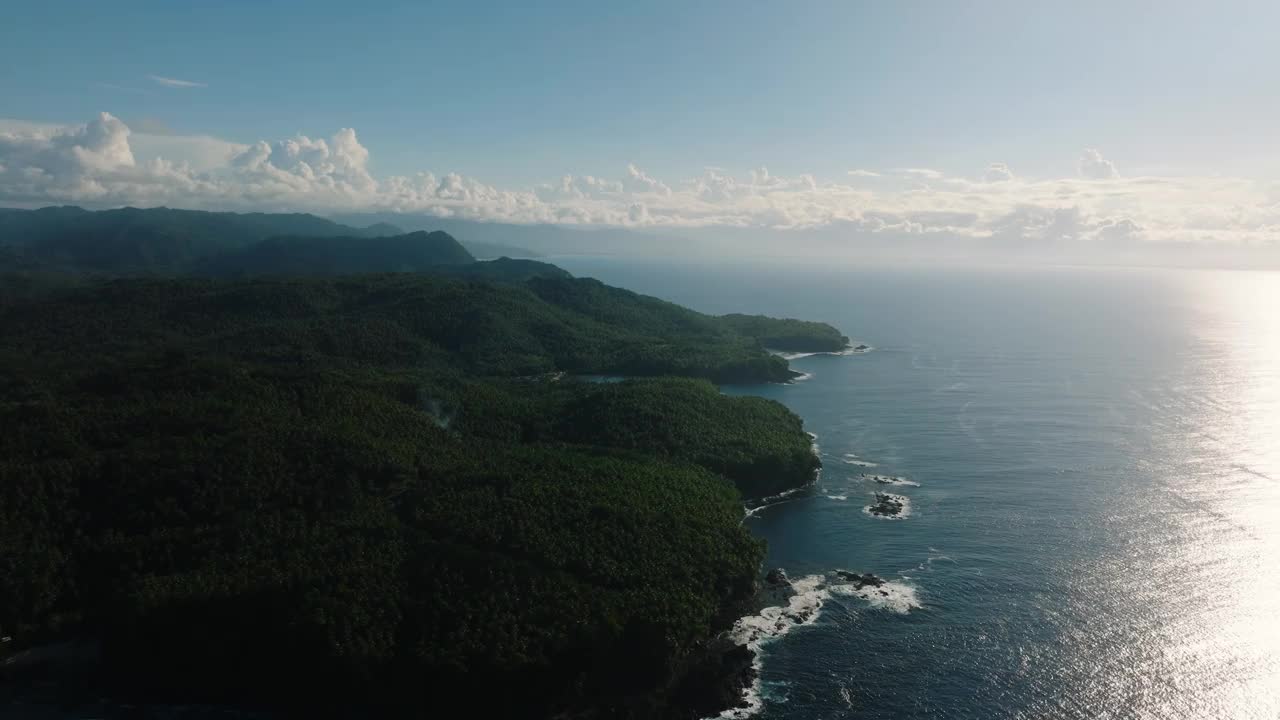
(514, 95)
(517, 92)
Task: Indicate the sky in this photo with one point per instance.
(1124, 121)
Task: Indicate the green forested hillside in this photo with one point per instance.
(786, 334)
(547, 324)
(362, 496)
(762, 449)
(241, 534)
(339, 255)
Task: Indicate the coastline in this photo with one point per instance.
(737, 686)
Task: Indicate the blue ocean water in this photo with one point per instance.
(1096, 529)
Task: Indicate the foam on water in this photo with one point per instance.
(785, 355)
(894, 596)
(771, 623)
(774, 622)
(772, 500)
(890, 480)
(804, 608)
(837, 497)
(852, 459)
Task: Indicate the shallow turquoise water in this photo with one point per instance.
(1097, 524)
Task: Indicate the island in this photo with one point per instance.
(377, 495)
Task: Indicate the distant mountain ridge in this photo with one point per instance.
(147, 241)
(410, 252)
(535, 239)
(166, 241)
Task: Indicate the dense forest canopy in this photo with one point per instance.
(379, 493)
(339, 255)
(544, 324)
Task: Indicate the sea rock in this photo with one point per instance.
(887, 505)
(860, 581)
(777, 590)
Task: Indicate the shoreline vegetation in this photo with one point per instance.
(251, 481)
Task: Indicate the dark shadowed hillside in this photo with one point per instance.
(155, 240)
(549, 323)
(371, 495)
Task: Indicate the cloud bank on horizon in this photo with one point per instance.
(103, 163)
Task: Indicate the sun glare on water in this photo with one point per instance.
(1219, 618)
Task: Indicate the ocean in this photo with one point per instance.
(1091, 462)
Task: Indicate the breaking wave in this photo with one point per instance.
(890, 480)
(804, 608)
(856, 350)
(894, 596)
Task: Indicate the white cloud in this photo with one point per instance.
(997, 172)
(148, 141)
(75, 162)
(174, 82)
(1095, 167)
(923, 173)
(638, 181)
(104, 163)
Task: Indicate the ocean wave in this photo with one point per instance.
(860, 463)
(800, 378)
(768, 502)
(836, 497)
(892, 595)
(804, 608)
(795, 355)
(855, 350)
(890, 480)
(853, 459)
(771, 623)
(774, 622)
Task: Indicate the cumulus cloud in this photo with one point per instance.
(78, 163)
(997, 172)
(174, 82)
(639, 181)
(105, 163)
(1095, 167)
